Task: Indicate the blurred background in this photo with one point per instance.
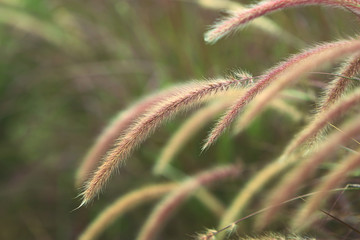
(67, 67)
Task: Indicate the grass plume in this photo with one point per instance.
(237, 93)
(337, 87)
(238, 19)
(242, 199)
(317, 124)
(122, 205)
(318, 54)
(119, 125)
(191, 127)
(291, 75)
(162, 212)
(262, 23)
(230, 228)
(185, 98)
(332, 180)
(293, 179)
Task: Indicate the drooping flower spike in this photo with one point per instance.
(238, 19)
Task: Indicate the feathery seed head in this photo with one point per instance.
(162, 212)
(307, 167)
(122, 205)
(238, 19)
(337, 87)
(186, 97)
(283, 74)
(331, 181)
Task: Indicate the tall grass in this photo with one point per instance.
(244, 98)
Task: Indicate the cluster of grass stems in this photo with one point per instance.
(242, 97)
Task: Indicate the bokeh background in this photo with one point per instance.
(67, 67)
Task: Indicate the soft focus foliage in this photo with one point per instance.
(68, 67)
